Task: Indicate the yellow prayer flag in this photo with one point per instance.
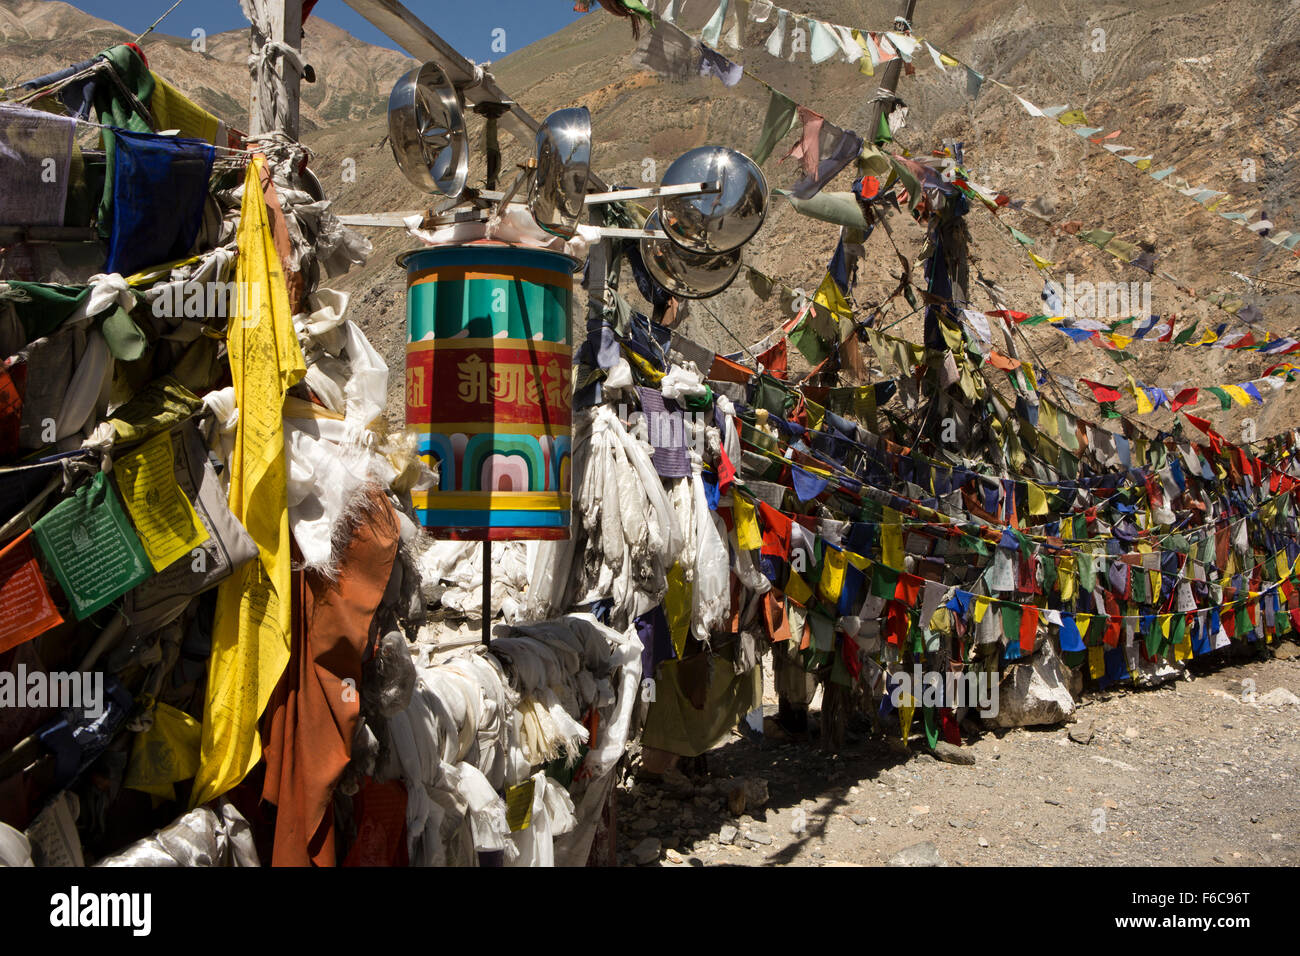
(1047, 421)
(1239, 394)
(829, 297)
(165, 521)
(1065, 573)
(982, 605)
(865, 66)
(905, 715)
(677, 608)
(251, 626)
(165, 754)
(172, 109)
(1144, 402)
(1040, 261)
(891, 539)
(797, 589)
(832, 580)
(643, 365)
(1037, 499)
(747, 534)
(1097, 662)
(816, 415)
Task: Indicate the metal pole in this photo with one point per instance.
(487, 593)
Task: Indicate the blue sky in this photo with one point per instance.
(468, 24)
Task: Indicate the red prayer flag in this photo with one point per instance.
(26, 608)
(1028, 628)
(776, 359)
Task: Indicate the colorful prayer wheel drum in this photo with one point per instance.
(488, 388)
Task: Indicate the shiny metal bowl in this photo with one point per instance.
(563, 167)
(426, 127)
(714, 222)
(684, 273)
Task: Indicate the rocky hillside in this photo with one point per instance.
(1201, 84)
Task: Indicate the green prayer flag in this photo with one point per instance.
(43, 307)
(1098, 237)
(1011, 623)
(92, 548)
(884, 582)
(814, 335)
(930, 718)
(1153, 638)
(780, 120)
(1225, 401)
(158, 407)
(115, 109)
(910, 183)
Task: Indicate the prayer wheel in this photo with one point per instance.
(488, 388)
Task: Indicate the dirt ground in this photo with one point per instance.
(1192, 773)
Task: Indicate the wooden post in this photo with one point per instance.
(284, 25)
(889, 80)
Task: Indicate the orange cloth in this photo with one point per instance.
(312, 715)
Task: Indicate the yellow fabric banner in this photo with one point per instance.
(165, 521)
(1144, 403)
(891, 539)
(1096, 662)
(747, 534)
(165, 754)
(1239, 394)
(677, 607)
(172, 109)
(797, 589)
(832, 580)
(830, 298)
(1037, 499)
(250, 631)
